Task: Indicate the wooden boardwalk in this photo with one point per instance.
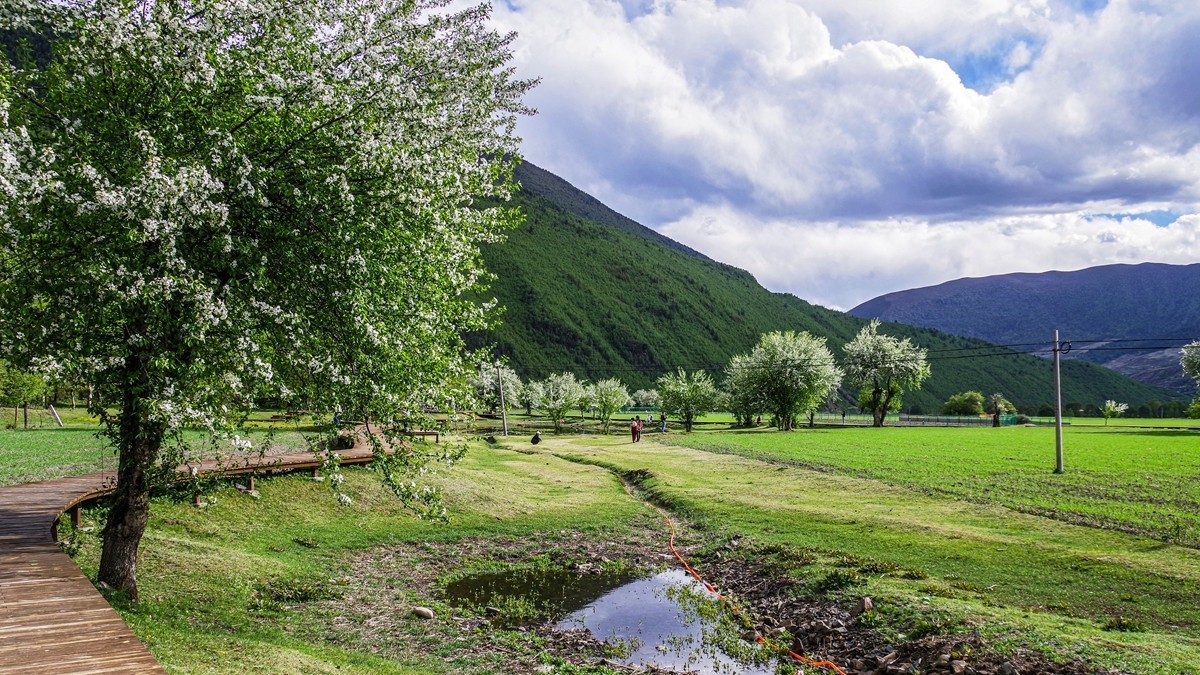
(52, 620)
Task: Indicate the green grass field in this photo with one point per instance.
(1144, 481)
(926, 519)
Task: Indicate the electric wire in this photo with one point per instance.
(949, 354)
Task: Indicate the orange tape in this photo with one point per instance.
(758, 637)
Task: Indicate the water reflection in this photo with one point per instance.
(660, 627)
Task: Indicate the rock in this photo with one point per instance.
(247, 491)
(1007, 668)
(958, 666)
(864, 605)
(943, 659)
(491, 611)
(750, 635)
(885, 660)
(776, 632)
(858, 664)
(424, 612)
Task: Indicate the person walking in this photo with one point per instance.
(633, 431)
(637, 435)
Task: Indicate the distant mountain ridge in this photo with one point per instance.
(1141, 306)
(587, 290)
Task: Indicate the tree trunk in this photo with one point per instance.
(140, 441)
(25, 409)
(126, 521)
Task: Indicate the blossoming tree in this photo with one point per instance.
(883, 367)
(206, 201)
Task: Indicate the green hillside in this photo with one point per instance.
(610, 299)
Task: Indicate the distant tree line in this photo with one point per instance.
(789, 376)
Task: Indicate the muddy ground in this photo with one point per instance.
(385, 585)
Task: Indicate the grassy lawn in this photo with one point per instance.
(919, 519)
(1144, 481)
(1129, 421)
(1023, 579)
(245, 584)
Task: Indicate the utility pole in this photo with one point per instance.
(1058, 453)
(503, 408)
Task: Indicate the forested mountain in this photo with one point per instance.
(590, 291)
(1130, 318)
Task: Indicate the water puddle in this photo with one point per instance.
(530, 595)
(667, 620)
(658, 622)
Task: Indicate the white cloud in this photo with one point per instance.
(842, 266)
(732, 123)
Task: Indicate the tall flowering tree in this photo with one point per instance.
(204, 201)
(686, 397)
(609, 396)
(883, 367)
(786, 374)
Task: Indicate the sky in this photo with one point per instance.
(842, 149)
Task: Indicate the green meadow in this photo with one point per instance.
(1144, 481)
(949, 530)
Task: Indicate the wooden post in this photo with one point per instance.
(1058, 448)
(55, 413)
(503, 408)
(76, 517)
(252, 482)
(196, 499)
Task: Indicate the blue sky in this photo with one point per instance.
(841, 149)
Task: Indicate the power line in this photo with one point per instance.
(949, 354)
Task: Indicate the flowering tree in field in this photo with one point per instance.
(883, 367)
(741, 397)
(997, 406)
(530, 396)
(204, 201)
(1190, 360)
(609, 396)
(687, 397)
(558, 394)
(646, 398)
(1113, 409)
(487, 385)
(787, 374)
